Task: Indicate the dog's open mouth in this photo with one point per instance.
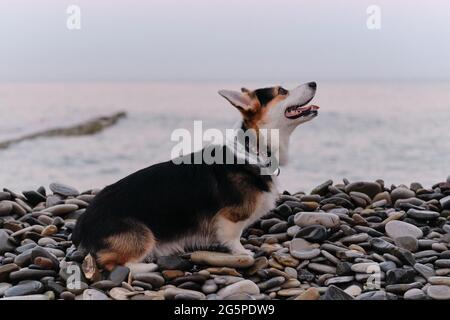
(295, 112)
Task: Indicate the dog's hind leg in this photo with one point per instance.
(132, 245)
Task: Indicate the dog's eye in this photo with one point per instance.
(282, 91)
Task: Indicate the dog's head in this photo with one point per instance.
(274, 107)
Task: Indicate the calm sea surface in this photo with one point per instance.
(396, 131)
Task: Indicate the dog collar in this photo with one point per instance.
(250, 153)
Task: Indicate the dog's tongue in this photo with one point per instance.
(314, 108)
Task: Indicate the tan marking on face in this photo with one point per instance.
(130, 246)
(256, 116)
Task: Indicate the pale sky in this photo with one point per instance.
(195, 40)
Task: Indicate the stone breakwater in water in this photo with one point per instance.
(352, 240)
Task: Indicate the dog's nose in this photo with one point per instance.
(312, 85)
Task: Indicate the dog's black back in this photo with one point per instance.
(170, 199)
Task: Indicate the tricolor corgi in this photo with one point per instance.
(171, 207)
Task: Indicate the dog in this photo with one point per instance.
(166, 208)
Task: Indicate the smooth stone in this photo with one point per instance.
(153, 278)
(339, 280)
(442, 263)
(330, 257)
(172, 274)
(77, 288)
(402, 193)
(376, 295)
(387, 265)
(322, 268)
(408, 243)
(381, 245)
(363, 198)
(396, 276)
(63, 190)
(291, 272)
(383, 196)
(439, 280)
(49, 230)
(353, 290)
(439, 292)
(5, 244)
(25, 288)
(34, 197)
(290, 292)
(37, 252)
(279, 227)
(443, 272)
(426, 254)
(5, 208)
(365, 267)
(271, 283)
(293, 230)
(3, 287)
(305, 275)
(244, 286)
(119, 274)
(219, 259)
(356, 238)
(335, 293)
(259, 264)
(104, 285)
(61, 209)
(226, 280)
(445, 203)
(30, 274)
(328, 220)
(67, 295)
(92, 294)
(29, 297)
(5, 271)
(5, 195)
(422, 214)
(396, 229)
(310, 294)
(141, 267)
(368, 188)
(16, 208)
(172, 292)
(302, 249)
(239, 296)
(221, 271)
(315, 233)
(424, 270)
(119, 293)
(45, 242)
(286, 259)
(343, 268)
(414, 294)
(440, 247)
(402, 287)
(268, 223)
(209, 286)
(322, 189)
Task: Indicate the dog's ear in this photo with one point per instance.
(241, 101)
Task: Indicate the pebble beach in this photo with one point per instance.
(342, 241)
